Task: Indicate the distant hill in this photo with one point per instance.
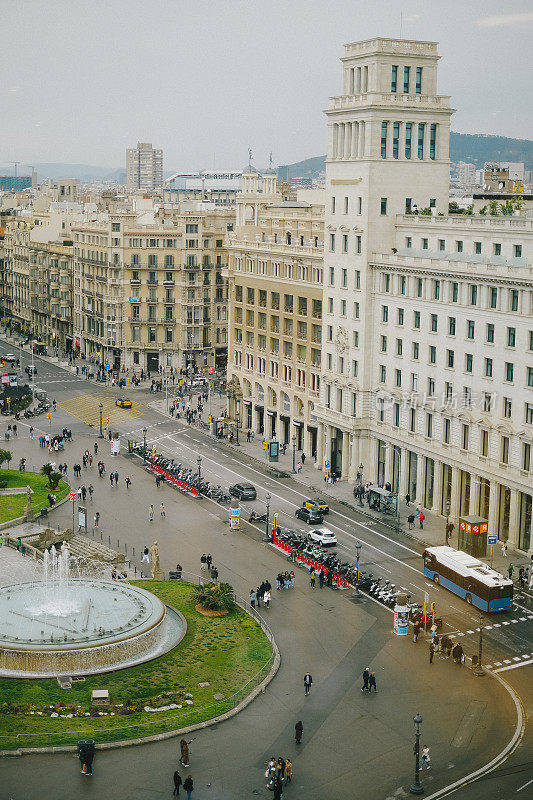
(476, 148)
(84, 172)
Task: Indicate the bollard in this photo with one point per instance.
(118, 544)
(125, 548)
(133, 549)
(109, 538)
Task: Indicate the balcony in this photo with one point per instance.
(167, 283)
(101, 278)
(151, 281)
(135, 281)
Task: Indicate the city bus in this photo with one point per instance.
(468, 578)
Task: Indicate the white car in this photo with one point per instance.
(10, 357)
(323, 536)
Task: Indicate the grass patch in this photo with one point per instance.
(14, 505)
(228, 652)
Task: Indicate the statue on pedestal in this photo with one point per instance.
(28, 513)
(155, 565)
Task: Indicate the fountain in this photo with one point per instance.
(68, 624)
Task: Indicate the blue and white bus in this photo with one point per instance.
(469, 578)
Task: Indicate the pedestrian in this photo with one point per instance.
(521, 577)
(203, 561)
(116, 477)
(177, 783)
(450, 527)
(298, 731)
(421, 519)
(308, 682)
(321, 578)
(111, 478)
(366, 678)
(252, 598)
(127, 481)
(209, 560)
(95, 448)
(90, 490)
(188, 786)
(97, 519)
(184, 753)
(504, 550)
(510, 570)
(79, 493)
(145, 556)
(303, 459)
(278, 788)
(418, 510)
(162, 509)
(298, 467)
(291, 579)
(312, 577)
(151, 513)
(19, 543)
(266, 598)
(407, 499)
(425, 760)
(372, 682)
(411, 521)
(457, 654)
(431, 651)
(31, 432)
(416, 631)
(259, 596)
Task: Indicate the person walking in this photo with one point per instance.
(162, 509)
(209, 560)
(288, 770)
(308, 682)
(145, 556)
(366, 678)
(372, 682)
(97, 519)
(151, 513)
(278, 788)
(421, 519)
(411, 521)
(418, 510)
(188, 786)
(266, 598)
(431, 651)
(426, 758)
(416, 631)
(177, 783)
(31, 432)
(450, 527)
(116, 477)
(252, 598)
(127, 481)
(504, 550)
(510, 570)
(457, 654)
(312, 577)
(298, 731)
(111, 478)
(321, 578)
(184, 754)
(303, 459)
(407, 500)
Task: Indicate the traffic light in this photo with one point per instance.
(433, 608)
(107, 420)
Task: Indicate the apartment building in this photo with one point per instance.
(149, 290)
(51, 271)
(17, 270)
(144, 167)
(275, 291)
(428, 318)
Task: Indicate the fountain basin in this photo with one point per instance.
(82, 627)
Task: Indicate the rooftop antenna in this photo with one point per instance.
(249, 160)
(16, 163)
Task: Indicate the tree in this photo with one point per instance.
(483, 211)
(454, 208)
(54, 479)
(425, 212)
(5, 455)
(493, 208)
(48, 470)
(215, 596)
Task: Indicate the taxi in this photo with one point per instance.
(315, 503)
(123, 403)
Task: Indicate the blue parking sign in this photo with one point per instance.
(326, 464)
(492, 538)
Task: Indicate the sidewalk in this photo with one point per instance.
(313, 485)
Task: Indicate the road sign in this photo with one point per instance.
(73, 496)
(107, 366)
(326, 463)
(492, 538)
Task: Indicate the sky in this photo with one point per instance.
(207, 80)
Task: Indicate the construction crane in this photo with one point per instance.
(16, 163)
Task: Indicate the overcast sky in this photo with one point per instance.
(82, 80)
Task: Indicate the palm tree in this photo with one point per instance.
(47, 469)
(215, 596)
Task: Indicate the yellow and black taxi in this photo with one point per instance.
(121, 403)
(320, 505)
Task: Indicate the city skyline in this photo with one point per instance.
(149, 85)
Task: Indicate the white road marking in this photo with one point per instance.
(516, 666)
(524, 786)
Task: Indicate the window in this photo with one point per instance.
(477, 248)
(414, 382)
(488, 367)
(497, 248)
(394, 79)
(530, 347)
(526, 457)
(529, 413)
(451, 326)
(415, 351)
(356, 310)
(399, 347)
(490, 333)
(421, 127)
(511, 337)
(406, 76)
(431, 387)
(382, 373)
(332, 242)
(470, 328)
(408, 242)
(385, 313)
(359, 205)
(530, 376)
(330, 333)
(436, 290)
(345, 243)
(416, 319)
(429, 426)
(432, 141)
(420, 287)
(450, 358)
(408, 204)
(381, 409)
(384, 127)
(383, 344)
(505, 450)
(459, 246)
(418, 83)
(403, 284)
(408, 139)
(432, 354)
(358, 244)
(330, 305)
(467, 396)
(425, 244)
(446, 426)
(343, 308)
(493, 297)
(514, 299)
(507, 407)
(509, 371)
(434, 323)
(396, 415)
(288, 303)
(250, 296)
(398, 377)
(332, 205)
(465, 435)
(400, 316)
(473, 295)
(484, 443)
(115, 227)
(517, 250)
(487, 401)
(354, 404)
(469, 360)
(346, 205)
(455, 292)
(412, 420)
(332, 276)
(395, 139)
(344, 282)
(442, 244)
(354, 369)
(383, 206)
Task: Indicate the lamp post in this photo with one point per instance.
(267, 528)
(447, 518)
(101, 420)
(237, 420)
(416, 787)
(144, 444)
(357, 594)
(199, 462)
(361, 468)
(478, 670)
(294, 454)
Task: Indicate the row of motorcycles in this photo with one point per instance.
(42, 408)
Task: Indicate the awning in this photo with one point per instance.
(297, 423)
(272, 413)
(312, 428)
(259, 408)
(284, 418)
(247, 402)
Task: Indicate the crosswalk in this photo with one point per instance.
(86, 407)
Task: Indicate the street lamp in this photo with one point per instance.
(101, 419)
(267, 528)
(416, 787)
(478, 670)
(294, 454)
(357, 594)
(199, 462)
(361, 488)
(237, 420)
(144, 444)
